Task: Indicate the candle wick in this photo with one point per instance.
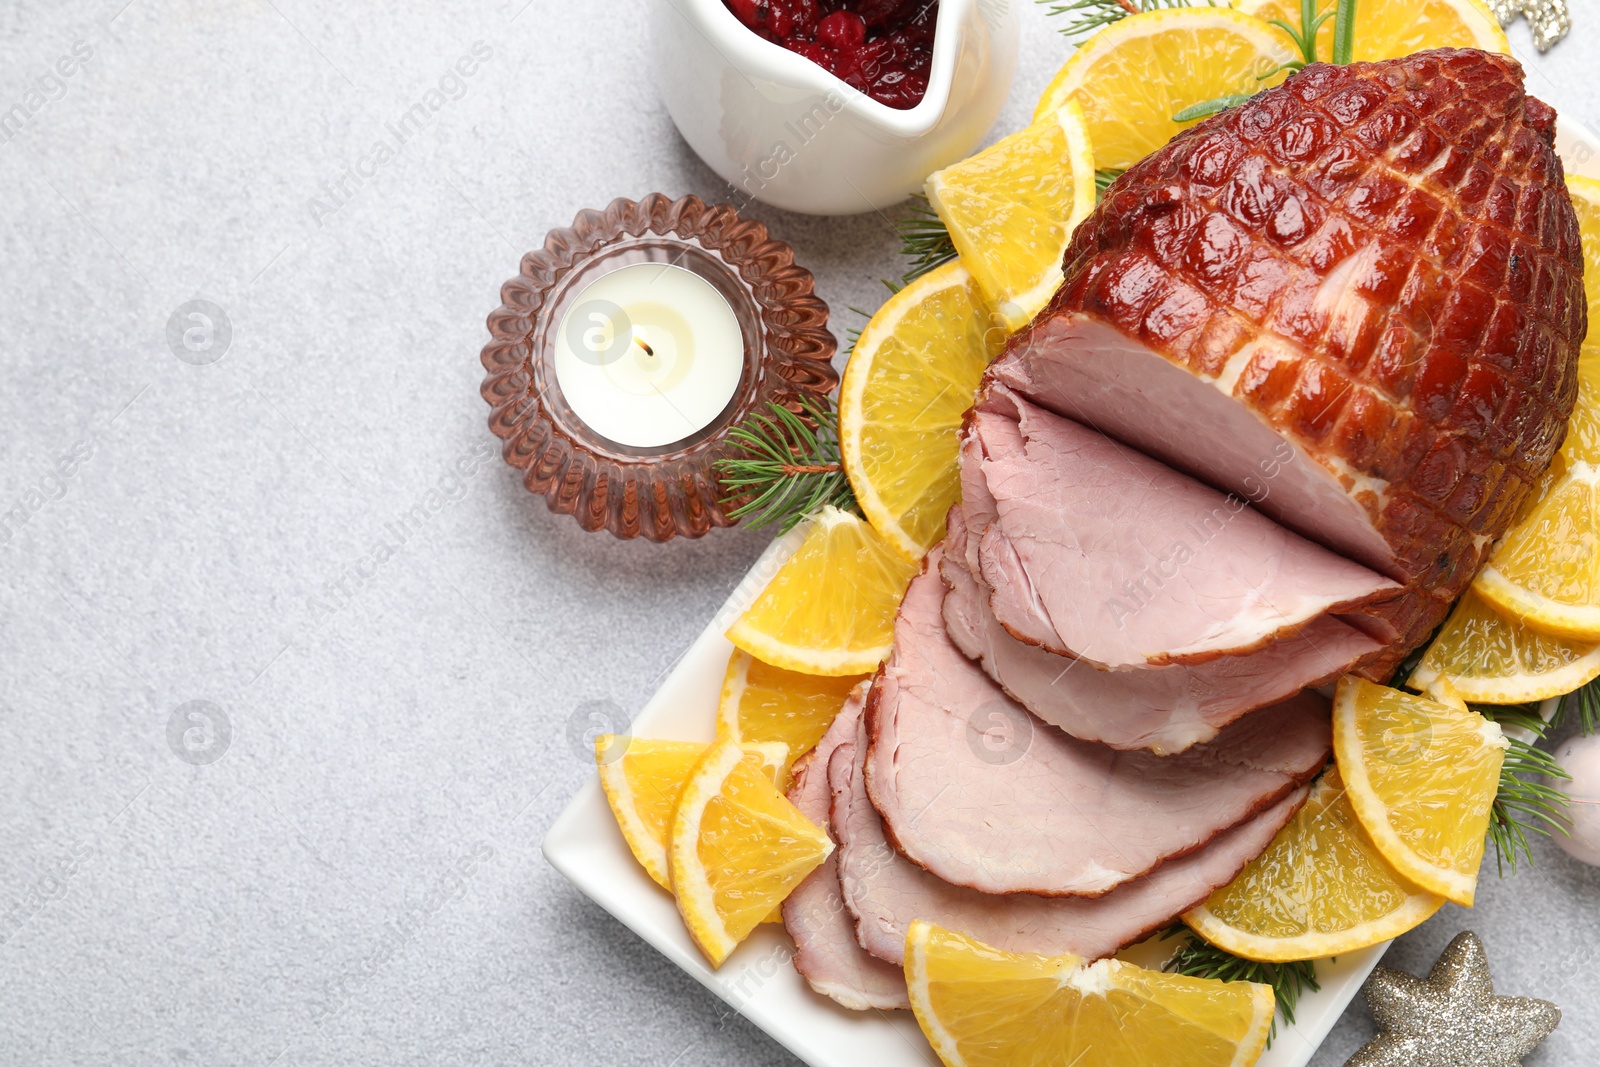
(640, 342)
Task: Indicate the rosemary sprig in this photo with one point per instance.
(792, 468)
(1305, 35)
(1305, 39)
(1090, 15)
(1206, 108)
(1344, 31)
(1198, 958)
(1102, 180)
(1525, 802)
(924, 240)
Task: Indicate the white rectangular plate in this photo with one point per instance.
(758, 980)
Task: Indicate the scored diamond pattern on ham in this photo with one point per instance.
(1355, 300)
(1330, 336)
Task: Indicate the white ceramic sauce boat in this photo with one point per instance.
(780, 129)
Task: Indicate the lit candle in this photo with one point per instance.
(617, 379)
(649, 354)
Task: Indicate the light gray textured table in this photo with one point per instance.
(356, 880)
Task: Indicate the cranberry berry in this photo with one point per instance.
(878, 13)
(899, 89)
(842, 29)
(880, 47)
(778, 20)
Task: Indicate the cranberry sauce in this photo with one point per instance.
(881, 47)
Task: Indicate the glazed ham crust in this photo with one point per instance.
(1377, 261)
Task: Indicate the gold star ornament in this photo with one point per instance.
(1548, 18)
(1451, 1018)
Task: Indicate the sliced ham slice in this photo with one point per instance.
(1163, 709)
(1356, 300)
(980, 793)
(827, 954)
(1100, 553)
(885, 891)
(1079, 367)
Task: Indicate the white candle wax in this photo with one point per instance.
(648, 354)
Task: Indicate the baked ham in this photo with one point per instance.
(1092, 550)
(1163, 709)
(885, 891)
(827, 954)
(980, 793)
(1355, 300)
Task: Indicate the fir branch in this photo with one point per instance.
(853, 334)
(1090, 15)
(1198, 958)
(923, 239)
(1584, 704)
(1525, 802)
(791, 469)
(1305, 39)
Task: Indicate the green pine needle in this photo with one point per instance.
(792, 467)
(923, 240)
(853, 334)
(1201, 959)
(1526, 803)
(1585, 705)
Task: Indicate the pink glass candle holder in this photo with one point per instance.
(627, 348)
